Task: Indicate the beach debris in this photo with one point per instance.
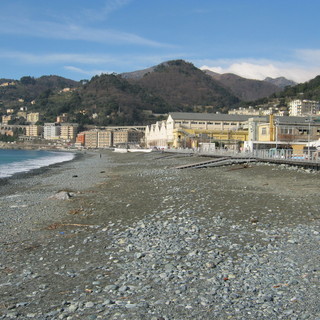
(254, 220)
(62, 195)
(54, 226)
(76, 211)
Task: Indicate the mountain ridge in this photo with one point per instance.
(135, 98)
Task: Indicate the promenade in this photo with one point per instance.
(275, 156)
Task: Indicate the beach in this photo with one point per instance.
(129, 236)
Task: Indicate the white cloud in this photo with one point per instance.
(53, 30)
(85, 72)
(308, 55)
(297, 71)
(53, 58)
(109, 7)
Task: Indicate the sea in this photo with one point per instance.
(20, 161)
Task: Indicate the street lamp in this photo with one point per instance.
(276, 123)
(309, 130)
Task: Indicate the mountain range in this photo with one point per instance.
(133, 98)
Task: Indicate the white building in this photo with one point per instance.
(163, 133)
(51, 131)
(303, 107)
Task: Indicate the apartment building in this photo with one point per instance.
(91, 139)
(303, 107)
(51, 131)
(127, 136)
(34, 131)
(105, 139)
(68, 131)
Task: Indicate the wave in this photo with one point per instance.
(9, 169)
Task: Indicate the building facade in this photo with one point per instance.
(91, 139)
(127, 136)
(6, 119)
(33, 117)
(51, 131)
(303, 107)
(34, 131)
(68, 131)
(104, 139)
(182, 130)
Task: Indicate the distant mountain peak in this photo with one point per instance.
(244, 89)
(280, 82)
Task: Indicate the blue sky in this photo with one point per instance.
(78, 39)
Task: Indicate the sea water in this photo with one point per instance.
(18, 161)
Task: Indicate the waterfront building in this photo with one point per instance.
(51, 131)
(34, 130)
(182, 130)
(282, 132)
(91, 139)
(105, 139)
(68, 131)
(127, 136)
(80, 139)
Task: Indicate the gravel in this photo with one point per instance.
(131, 237)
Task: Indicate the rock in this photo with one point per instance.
(61, 195)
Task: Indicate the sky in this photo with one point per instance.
(78, 39)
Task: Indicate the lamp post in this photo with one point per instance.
(309, 130)
(309, 120)
(276, 123)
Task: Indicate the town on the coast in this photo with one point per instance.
(296, 130)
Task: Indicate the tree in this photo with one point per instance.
(27, 80)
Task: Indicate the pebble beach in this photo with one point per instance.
(129, 236)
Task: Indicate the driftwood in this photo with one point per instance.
(58, 225)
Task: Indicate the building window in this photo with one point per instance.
(263, 131)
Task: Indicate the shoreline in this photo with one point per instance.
(39, 170)
(33, 189)
(140, 239)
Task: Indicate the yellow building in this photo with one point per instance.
(33, 117)
(282, 132)
(33, 131)
(127, 136)
(6, 119)
(104, 139)
(91, 139)
(68, 131)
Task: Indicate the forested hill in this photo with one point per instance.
(309, 90)
(29, 88)
(131, 98)
(110, 99)
(184, 86)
